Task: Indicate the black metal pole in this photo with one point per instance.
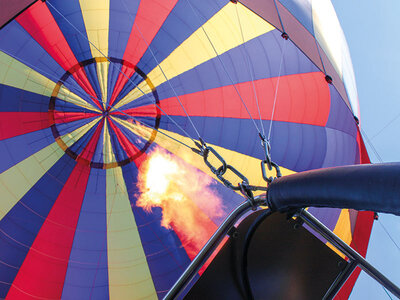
(209, 247)
(340, 280)
(348, 251)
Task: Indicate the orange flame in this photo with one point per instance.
(185, 195)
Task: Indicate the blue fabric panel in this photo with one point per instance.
(121, 22)
(16, 149)
(13, 100)
(87, 273)
(22, 224)
(165, 254)
(302, 11)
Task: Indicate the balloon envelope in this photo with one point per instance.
(89, 90)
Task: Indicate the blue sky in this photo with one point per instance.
(371, 30)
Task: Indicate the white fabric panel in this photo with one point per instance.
(330, 37)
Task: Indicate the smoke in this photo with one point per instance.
(185, 195)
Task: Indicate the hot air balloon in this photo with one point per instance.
(90, 90)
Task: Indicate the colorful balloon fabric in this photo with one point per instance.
(90, 89)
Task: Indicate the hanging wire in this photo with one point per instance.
(387, 293)
(224, 67)
(162, 71)
(389, 235)
(365, 136)
(276, 91)
(122, 73)
(250, 70)
(386, 126)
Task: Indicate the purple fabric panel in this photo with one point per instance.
(328, 216)
(341, 149)
(340, 116)
(304, 40)
(10, 9)
(266, 9)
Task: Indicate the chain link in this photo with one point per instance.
(220, 172)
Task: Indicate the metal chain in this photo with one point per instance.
(220, 172)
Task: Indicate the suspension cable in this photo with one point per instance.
(250, 70)
(276, 90)
(162, 71)
(386, 126)
(224, 67)
(365, 136)
(389, 235)
(122, 73)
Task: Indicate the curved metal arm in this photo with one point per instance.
(210, 246)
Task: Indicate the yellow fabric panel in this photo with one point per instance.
(108, 155)
(102, 74)
(16, 74)
(128, 273)
(224, 32)
(96, 15)
(343, 227)
(342, 230)
(19, 179)
(247, 165)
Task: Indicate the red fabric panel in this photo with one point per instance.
(43, 271)
(144, 111)
(17, 123)
(130, 149)
(302, 98)
(65, 117)
(38, 21)
(138, 40)
(362, 230)
(90, 148)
